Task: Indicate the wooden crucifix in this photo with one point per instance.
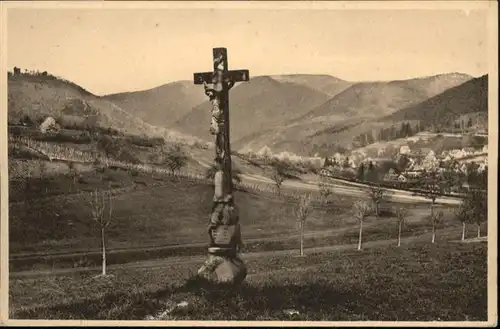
(222, 81)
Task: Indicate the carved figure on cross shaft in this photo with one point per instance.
(217, 117)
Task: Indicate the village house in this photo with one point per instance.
(402, 178)
(405, 149)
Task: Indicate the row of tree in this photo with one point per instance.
(388, 134)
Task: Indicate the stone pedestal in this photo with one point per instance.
(224, 264)
(223, 269)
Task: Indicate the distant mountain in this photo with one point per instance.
(445, 108)
(257, 105)
(42, 96)
(327, 84)
(163, 105)
(375, 99)
(335, 123)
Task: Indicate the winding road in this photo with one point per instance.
(344, 188)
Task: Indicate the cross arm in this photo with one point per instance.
(229, 76)
(238, 75)
(200, 78)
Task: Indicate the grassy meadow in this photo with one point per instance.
(418, 281)
(157, 215)
(157, 241)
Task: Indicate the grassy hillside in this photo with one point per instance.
(170, 211)
(259, 104)
(70, 104)
(163, 105)
(445, 108)
(373, 99)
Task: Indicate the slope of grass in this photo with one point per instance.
(375, 99)
(173, 212)
(163, 105)
(257, 105)
(416, 282)
(39, 97)
(443, 109)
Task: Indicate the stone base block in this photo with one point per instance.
(223, 269)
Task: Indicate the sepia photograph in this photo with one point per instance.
(267, 163)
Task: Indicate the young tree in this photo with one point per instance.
(464, 215)
(401, 214)
(376, 194)
(431, 185)
(371, 173)
(73, 173)
(361, 172)
(469, 123)
(42, 171)
(302, 211)
(346, 164)
(28, 194)
(325, 191)
(278, 174)
(475, 208)
(361, 210)
(99, 201)
(435, 219)
(403, 161)
(175, 159)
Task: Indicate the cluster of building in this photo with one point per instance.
(417, 161)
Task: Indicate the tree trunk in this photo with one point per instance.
(463, 231)
(360, 234)
(399, 234)
(103, 251)
(301, 239)
(433, 222)
(478, 231)
(376, 209)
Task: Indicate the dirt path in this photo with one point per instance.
(199, 259)
(87, 252)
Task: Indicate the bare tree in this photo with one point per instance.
(432, 184)
(278, 177)
(361, 210)
(73, 173)
(464, 215)
(302, 211)
(376, 194)
(325, 191)
(435, 219)
(100, 200)
(42, 171)
(474, 209)
(401, 214)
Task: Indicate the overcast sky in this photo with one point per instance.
(108, 51)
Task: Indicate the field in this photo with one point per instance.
(158, 216)
(158, 240)
(418, 281)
